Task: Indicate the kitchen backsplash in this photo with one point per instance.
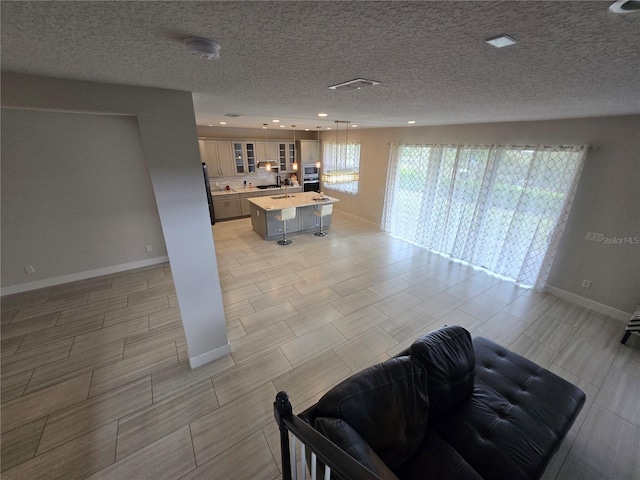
(260, 178)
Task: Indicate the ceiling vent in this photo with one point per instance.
(625, 6)
(501, 41)
(231, 115)
(357, 84)
(202, 48)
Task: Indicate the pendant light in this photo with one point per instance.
(267, 161)
(340, 171)
(294, 166)
(318, 161)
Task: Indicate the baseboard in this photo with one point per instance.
(74, 277)
(593, 305)
(342, 212)
(210, 356)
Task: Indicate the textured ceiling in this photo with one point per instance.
(573, 59)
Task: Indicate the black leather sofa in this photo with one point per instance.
(450, 408)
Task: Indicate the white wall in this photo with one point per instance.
(169, 141)
(607, 200)
(74, 198)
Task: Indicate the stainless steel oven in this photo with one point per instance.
(309, 170)
(311, 185)
(310, 178)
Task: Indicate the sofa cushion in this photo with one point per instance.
(436, 459)
(345, 437)
(516, 417)
(447, 355)
(387, 404)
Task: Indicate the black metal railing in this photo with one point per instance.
(323, 450)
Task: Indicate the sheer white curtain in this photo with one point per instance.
(500, 207)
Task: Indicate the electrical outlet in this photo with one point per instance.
(595, 237)
(149, 249)
(29, 269)
(586, 283)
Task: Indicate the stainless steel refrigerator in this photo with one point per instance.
(209, 197)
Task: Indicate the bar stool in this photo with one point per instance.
(285, 214)
(323, 211)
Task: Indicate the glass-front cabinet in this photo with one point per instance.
(245, 157)
(238, 151)
(286, 156)
(251, 157)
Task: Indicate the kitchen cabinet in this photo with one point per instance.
(245, 206)
(225, 157)
(307, 219)
(267, 151)
(274, 226)
(218, 157)
(227, 207)
(308, 151)
(244, 160)
(286, 156)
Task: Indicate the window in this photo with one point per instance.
(499, 207)
(341, 167)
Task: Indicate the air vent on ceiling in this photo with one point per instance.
(357, 84)
(231, 115)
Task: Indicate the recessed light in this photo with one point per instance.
(222, 123)
(354, 126)
(264, 128)
(306, 129)
(501, 41)
(323, 114)
(625, 6)
(357, 84)
(328, 128)
(411, 121)
(281, 126)
(275, 120)
(210, 125)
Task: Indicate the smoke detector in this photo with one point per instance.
(202, 48)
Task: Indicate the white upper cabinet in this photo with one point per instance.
(218, 156)
(267, 151)
(286, 156)
(225, 157)
(308, 151)
(244, 160)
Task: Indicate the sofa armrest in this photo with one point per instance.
(342, 464)
(345, 437)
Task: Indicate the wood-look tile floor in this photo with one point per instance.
(96, 381)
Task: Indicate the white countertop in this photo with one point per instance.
(249, 190)
(297, 199)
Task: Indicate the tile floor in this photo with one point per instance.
(96, 383)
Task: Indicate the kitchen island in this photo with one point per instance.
(264, 209)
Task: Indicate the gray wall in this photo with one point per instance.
(76, 195)
(607, 200)
(168, 136)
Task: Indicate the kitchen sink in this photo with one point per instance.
(283, 196)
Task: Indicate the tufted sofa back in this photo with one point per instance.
(448, 357)
(386, 404)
